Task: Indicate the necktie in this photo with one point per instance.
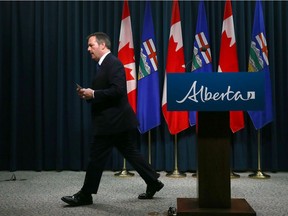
(97, 67)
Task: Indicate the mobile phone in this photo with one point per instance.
(78, 86)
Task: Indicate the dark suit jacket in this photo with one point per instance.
(111, 111)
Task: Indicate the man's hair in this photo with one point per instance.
(101, 37)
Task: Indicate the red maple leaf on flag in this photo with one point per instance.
(128, 74)
(126, 55)
(226, 51)
(172, 52)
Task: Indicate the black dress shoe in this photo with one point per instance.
(151, 190)
(78, 199)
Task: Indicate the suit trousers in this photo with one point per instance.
(100, 152)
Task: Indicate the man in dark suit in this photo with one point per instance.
(114, 123)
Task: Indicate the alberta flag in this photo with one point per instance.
(202, 59)
(148, 103)
(258, 61)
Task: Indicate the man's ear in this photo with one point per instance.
(103, 46)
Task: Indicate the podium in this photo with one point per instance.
(213, 95)
(213, 173)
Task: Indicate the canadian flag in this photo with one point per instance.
(228, 60)
(126, 54)
(177, 121)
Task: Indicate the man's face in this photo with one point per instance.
(94, 48)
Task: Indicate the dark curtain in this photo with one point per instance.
(45, 126)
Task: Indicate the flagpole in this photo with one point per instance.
(149, 146)
(259, 174)
(176, 173)
(124, 172)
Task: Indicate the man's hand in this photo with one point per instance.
(85, 93)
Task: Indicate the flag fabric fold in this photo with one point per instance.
(127, 56)
(148, 94)
(228, 60)
(258, 61)
(177, 121)
(202, 58)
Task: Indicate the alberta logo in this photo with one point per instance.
(215, 91)
(201, 93)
